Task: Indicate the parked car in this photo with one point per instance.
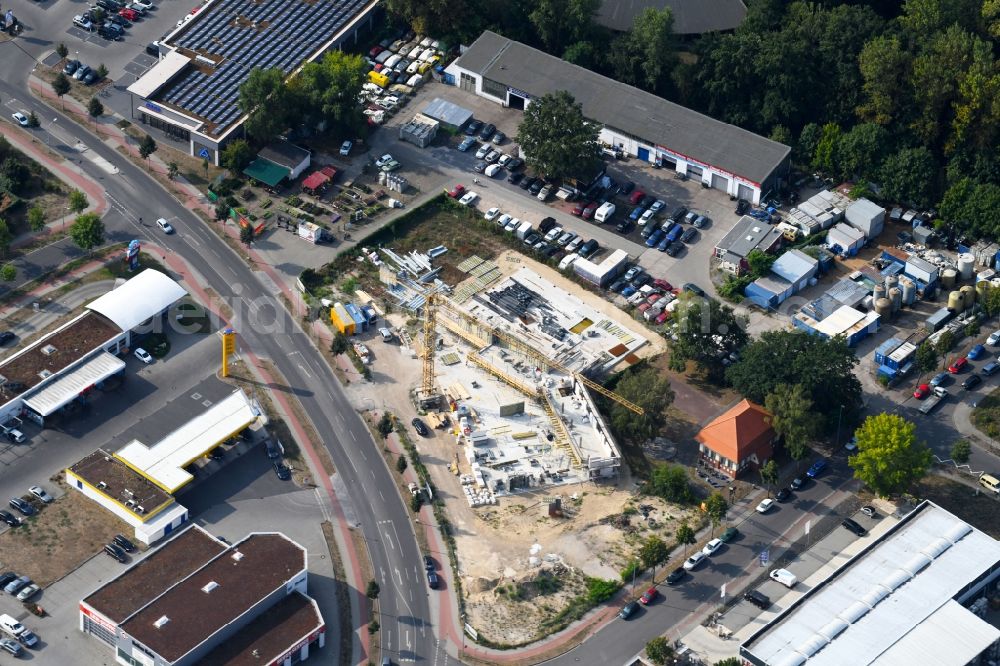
(28, 591)
(695, 561)
(869, 511)
(432, 580)
(676, 576)
(784, 576)
(28, 638)
(491, 213)
(468, 199)
(22, 506)
(487, 132)
(765, 505)
(628, 610)
(712, 547)
(419, 426)
(922, 392)
(940, 379)
(971, 382)
(128, 14)
(11, 646)
(492, 170)
(473, 127)
(456, 191)
(799, 482)
(627, 187)
(730, 534)
(649, 596)
(783, 495)
(994, 339)
(958, 365)
(281, 470)
(143, 355)
(467, 143)
(83, 22)
(9, 518)
(40, 493)
(15, 585)
(853, 526)
(976, 352)
(758, 599)
(345, 148)
(636, 197)
(123, 543)
(689, 235)
(694, 289)
(816, 470)
(499, 138)
(515, 178)
(589, 210)
(115, 552)
(81, 72)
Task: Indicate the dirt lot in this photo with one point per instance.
(965, 502)
(59, 538)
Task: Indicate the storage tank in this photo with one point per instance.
(986, 275)
(966, 262)
(891, 282)
(956, 302)
(968, 296)
(982, 291)
(949, 277)
(909, 291)
(896, 297)
(883, 307)
(879, 291)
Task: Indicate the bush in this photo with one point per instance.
(385, 425)
(670, 482)
(372, 590)
(633, 569)
(416, 501)
(401, 463)
(600, 590)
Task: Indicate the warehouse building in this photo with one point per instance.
(67, 364)
(851, 324)
(719, 155)
(790, 274)
(845, 240)
(917, 594)
(191, 93)
(747, 235)
(198, 600)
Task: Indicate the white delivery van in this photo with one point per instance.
(785, 577)
(10, 625)
(523, 230)
(568, 261)
(990, 482)
(604, 213)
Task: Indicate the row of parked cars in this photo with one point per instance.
(20, 634)
(80, 72)
(110, 18)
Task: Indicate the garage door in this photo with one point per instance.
(746, 193)
(695, 171)
(720, 182)
(515, 101)
(643, 154)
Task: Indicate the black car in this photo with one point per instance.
(488, 131)
(675, 248)
(647, 201)
(641, 279)
(71, 67)
(799, 482)
(689, 234)
(7, 578)
(628, 610)
(678, 214)
(618, 285)
(971, 382)
(536, 186)
(108, 5)
(281, 469)
(514, 164)
(116, 552)
(527, 182)
(694, 289)
(123, 543)
(676, 576)
(853, 526)
(552, 251)
(217, 453)
(758, 599)
(588, 249)
(479, 167)
(473, 127)
(545, 226)
(272, 449)
(783, 495)
(429, 564)
(110, 31)
(624, 226)
(515, 178)
(531, 239)
(627, 187)
(22, 506)
(742, 206)
(432, 580)
(419, 426)
(9, 518)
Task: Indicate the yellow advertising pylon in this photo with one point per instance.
(228, 348)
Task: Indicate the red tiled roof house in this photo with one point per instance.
(739, 440)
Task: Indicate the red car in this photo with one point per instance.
(653, 298)
(579, 208)
(649, 597)
(375, 50)
(922, 392)
(958, 365)
(644, 306)
(457, 191)
(128, 14)
(636, 197)
(589, 211)
(663, 316)
(663, 284)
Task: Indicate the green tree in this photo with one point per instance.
(909, 176)
(889, 458)
(729, 661)
(87, 231)
(102, 71)
(583, 54)
(653, 551)
(385, 424)
(670, 482)
(716, 507)
(560, 23)
(36, 218)
(221, 211)
(263, 97)
(826, 158)
(972, 208)
(61, 50)
(792, 418)
(237, 155)
(401, 463)
(824, 368)
(649, 51)
(416, 501)
(960, 451)
(861, 151)
(78, 202)
(33, 120)
(372, 590)
(769, 475)
(339, 345)
(945, 344)
(60, 85)
(8, 273)
(782, 134)
(246, 234)
(760, 262)
(557, 140)
(94, 107)
(172, 170)
(328, 91)
(707, 333)
(600, 590)
(685, 536)
(927, 357)
(885, 65)
(659, 650)
(805, 149)
(147, 147)
(648, 389)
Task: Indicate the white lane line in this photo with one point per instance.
(353, 436)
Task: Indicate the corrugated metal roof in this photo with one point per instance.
(447, 112)
(794, 265)
(748, 234)
(147, 294)
(67, 387)
(626, 108)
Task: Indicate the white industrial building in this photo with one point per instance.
(68, 363)
(845, 240)
(721, 156)
(918, 594)
(866, 216)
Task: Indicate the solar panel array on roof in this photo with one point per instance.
(248, 34)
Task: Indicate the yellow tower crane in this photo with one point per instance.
(430, 337)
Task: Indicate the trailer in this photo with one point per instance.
(935, 399)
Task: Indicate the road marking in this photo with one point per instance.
(399, 576)
(391, 544)
(379, 492)
(353, 436)
(303, 369)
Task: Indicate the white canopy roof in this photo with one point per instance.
(66, 387)
(163, 463)
(147, 294)
(168, 67)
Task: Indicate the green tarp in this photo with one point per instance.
(266, 172)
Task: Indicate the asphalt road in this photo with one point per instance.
(265, 328)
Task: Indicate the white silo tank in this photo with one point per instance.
(966, 262)
(949, 277)
(909, 290)
(896, 296)
(891, 282)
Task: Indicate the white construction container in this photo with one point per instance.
(866, 216)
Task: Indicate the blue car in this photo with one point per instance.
(636, 213)
(976, 352)
(816, 469)
(675, 232)
(655, 238)
(940, 379)
(664, 244)
(628, 291)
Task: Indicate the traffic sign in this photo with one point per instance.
(203, 153)
(765, 555)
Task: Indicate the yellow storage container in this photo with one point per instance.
(379, 79)
(341, 320)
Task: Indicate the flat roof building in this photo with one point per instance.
(722, 156)
(915, 595)
(192, 93)
(747, 235)
(197, 596)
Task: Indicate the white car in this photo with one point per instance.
(503, 220)
(711, 547)
(658, 205)
(491, 213)
(574, 244)
(493, 170)
(765, 505)
(554, 233)
(20, 118)
(483, 150)
(694, 561)
(468, 199)
(40, 493)
(504, 159)
(994, 339)
(138, 8)
(165, 226)
(646, 217)
(345, 148)
(81, 22)
(148, 4)
(27, 592)
(143, 355)
(382, 161)
(512, 225)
